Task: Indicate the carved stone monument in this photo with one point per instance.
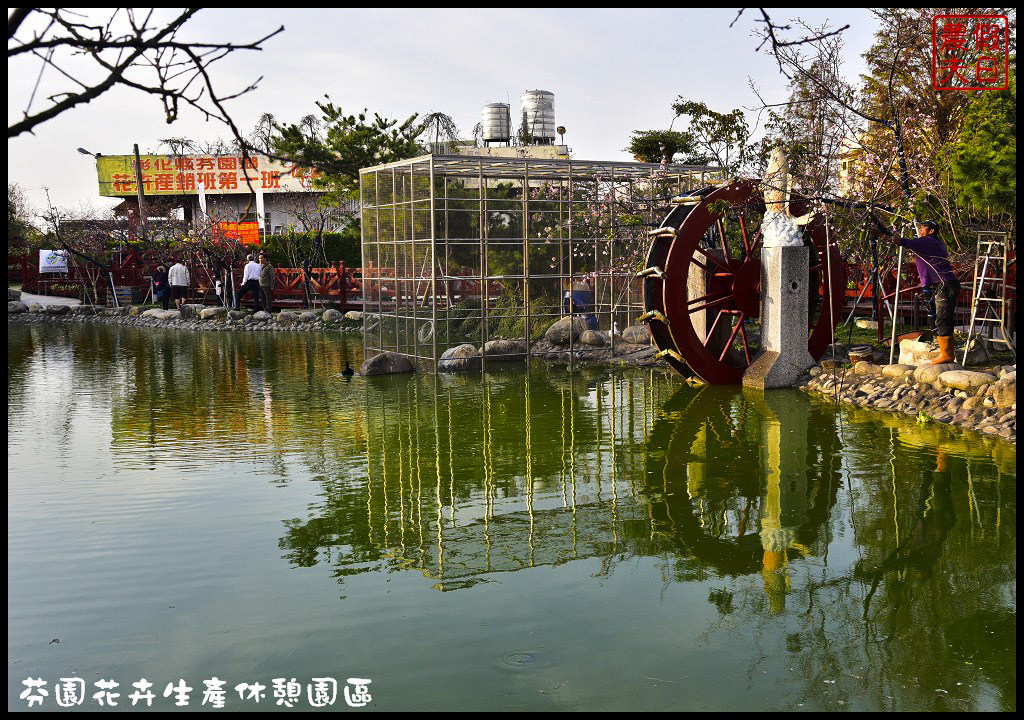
(784, 278)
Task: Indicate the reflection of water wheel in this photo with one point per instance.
(731, 447)
(705, 457)
(702, 286)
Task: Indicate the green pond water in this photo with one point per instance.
(188, 506)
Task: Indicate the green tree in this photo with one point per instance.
(20, 230)
(711, 138)
(985, 154)
(719, 138)
(659, 146)
(338, 145)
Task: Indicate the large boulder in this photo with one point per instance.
(14, 307)
(354, 315)
(152, 312)
(136, 310)
(977, 351)
(863, 367)
(238, 314)
(837, 351)
(594, 338)
(213, 313)
(558, 334)
(309, 316)
(332, 316)
(637, 334)
(85, 310)
(57, 309)
(387, 363)
(929, 373)
(897, 370)
(168, 315)
(459, 358)
(502, 350)
(915, 352)
(34, 307)
(1005, 393)
(190, 311)
(13, 294)
(286, 316)
(261, 316)
(965, 379)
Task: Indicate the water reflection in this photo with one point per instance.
(835, 558)
(466, 477)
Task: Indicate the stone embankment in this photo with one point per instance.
(189, 317)
(567, 342)
(983, 398)
(594, 347)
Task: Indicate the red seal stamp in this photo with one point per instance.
(970, 52)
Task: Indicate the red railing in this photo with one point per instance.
(335, 284)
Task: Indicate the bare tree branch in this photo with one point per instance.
(15, 19)
(121, 47)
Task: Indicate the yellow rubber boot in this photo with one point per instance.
(945, 350)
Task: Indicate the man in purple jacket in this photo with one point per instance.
(936, 273)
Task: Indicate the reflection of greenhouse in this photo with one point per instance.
(453, 496)
(470, 249)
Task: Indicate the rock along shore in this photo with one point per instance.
(564, 344)
(190, 317)
(983, 399)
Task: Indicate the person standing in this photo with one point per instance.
(179, 280)
(937, 275)
(266, 282)
(161, 287)
(250, 283)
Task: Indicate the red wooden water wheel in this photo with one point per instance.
(702, 286)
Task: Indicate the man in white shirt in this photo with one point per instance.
(179, 280)
(250, 283)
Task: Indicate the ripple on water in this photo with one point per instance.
(525, 659)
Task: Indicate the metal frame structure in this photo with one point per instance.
(469, 249)
(989, 297)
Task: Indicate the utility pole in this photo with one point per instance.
(141, 195)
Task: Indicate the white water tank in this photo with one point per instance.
(496, 123)
(538, 109)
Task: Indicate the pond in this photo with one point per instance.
(231, 507)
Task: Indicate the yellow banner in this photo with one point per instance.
(185, 174)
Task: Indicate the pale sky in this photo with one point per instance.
(612, 71)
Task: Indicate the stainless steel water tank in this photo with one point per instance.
(496, 122)
(538, 107)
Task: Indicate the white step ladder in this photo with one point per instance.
(988, 292)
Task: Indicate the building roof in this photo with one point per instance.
(539, 168)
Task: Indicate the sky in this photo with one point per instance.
(612, 71)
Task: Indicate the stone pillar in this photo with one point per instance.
(784, 357)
